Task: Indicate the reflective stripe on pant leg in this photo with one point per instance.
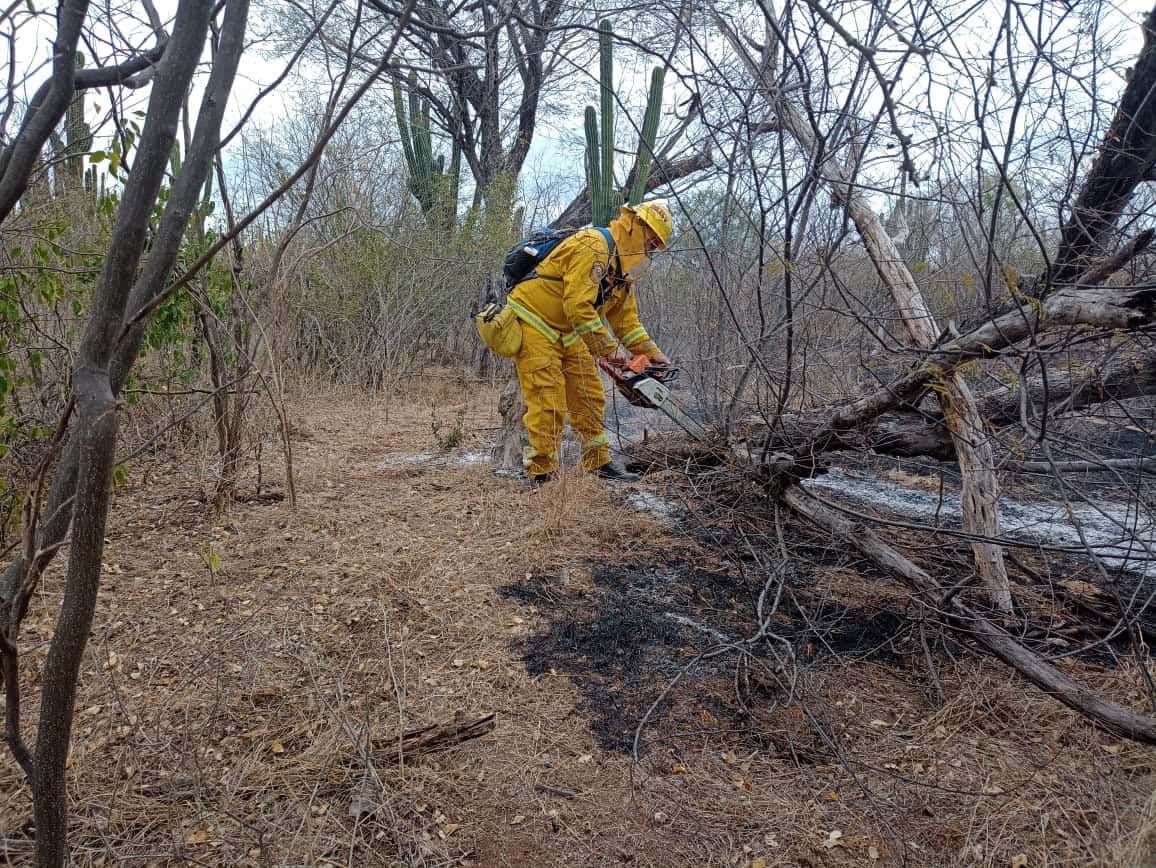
(596, 452)
(539, 367)
(586, 403)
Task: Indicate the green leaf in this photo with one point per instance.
(97, 157)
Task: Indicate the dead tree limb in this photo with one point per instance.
(1142, 465)
(1107, 715)
(1127, 308)
(901, 430)
(662, 173)
(973, 450)
(1100, 273)
(1128, 376)
(1125, 160)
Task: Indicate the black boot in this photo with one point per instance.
(616, 473)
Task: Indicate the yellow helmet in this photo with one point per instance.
(657, 218)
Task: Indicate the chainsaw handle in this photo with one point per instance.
(615, 373)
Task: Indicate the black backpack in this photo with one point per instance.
(528, 254)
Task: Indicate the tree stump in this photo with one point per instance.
(512, 438)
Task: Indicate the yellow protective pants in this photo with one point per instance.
(557, 381)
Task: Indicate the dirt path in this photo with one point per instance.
(249, 677)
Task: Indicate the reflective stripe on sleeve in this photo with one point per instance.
(584, 329)
(634, 336)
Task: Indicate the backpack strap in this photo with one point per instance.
(612, 253)
(608, 283)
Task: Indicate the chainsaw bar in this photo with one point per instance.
(649, 388)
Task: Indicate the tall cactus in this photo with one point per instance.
(77, 137)
(605, 196)
(435, 189)
(606, 87)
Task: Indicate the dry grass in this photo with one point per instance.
(235, 715)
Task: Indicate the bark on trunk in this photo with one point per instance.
(97, 430)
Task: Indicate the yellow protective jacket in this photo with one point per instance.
(561, 302)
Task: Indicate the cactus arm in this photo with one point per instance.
(423, 151)
(646, 139)
(77, 134)
(414, 112)
(207, 198)
(593, 165)
(435, 189)
(403, 130)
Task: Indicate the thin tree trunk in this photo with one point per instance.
(972, 447)
(97, 431)
(94, 437)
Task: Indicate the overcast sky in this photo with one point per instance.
(556, 153)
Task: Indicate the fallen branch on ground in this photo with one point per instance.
(435, 737)
(1108, 716)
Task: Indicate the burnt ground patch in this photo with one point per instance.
(644, 623)
(638, 625)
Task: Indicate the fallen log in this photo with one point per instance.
(905, 432)
(1108, 307)
(1139, 465)
(1106, 715)
(1126, 377)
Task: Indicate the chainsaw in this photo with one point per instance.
(645, 384)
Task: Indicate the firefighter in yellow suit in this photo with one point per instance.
(561, 309)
